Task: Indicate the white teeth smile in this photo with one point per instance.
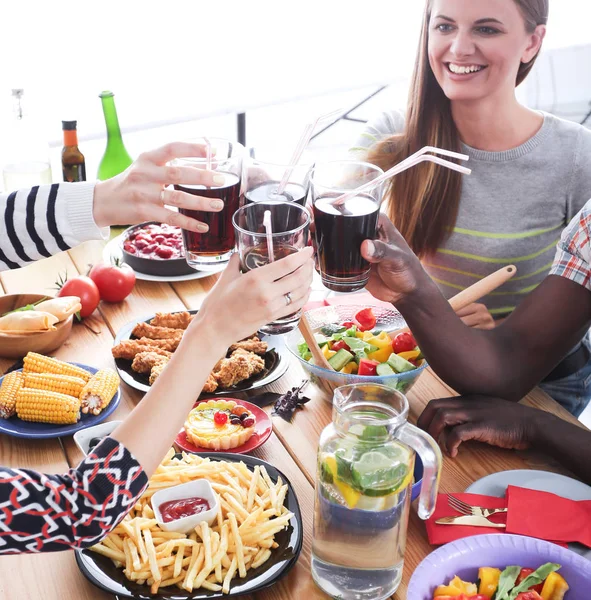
(464, 70)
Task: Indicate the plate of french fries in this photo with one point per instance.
(49, 398)
(254, 541)
(143, 347)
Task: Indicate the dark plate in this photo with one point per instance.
(15, 427)
(276, 363)
(101, 572)
(151, 266)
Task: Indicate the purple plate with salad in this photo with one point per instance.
(508, 567)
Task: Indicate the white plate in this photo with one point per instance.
(113, 250)
(542, 481)
(83, 437)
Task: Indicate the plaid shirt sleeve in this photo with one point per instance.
(573, 255)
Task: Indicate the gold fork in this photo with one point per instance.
(466, 509)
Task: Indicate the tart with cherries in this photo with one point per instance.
(219, 425)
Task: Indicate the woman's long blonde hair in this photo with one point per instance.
(423, 202)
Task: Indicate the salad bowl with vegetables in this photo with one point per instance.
(501, 567)
(362, 344)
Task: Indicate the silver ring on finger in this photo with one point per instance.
(288, 299)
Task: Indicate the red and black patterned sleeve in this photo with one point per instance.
(49, 513)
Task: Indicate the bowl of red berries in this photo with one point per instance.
(155, 249)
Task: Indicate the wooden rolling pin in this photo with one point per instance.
(464, 298)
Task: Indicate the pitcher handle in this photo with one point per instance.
(426, 447)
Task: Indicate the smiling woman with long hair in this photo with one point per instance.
(531, 171)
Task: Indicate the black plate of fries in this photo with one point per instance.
(264, 565)
(275, 359)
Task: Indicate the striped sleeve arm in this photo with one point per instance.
(43, 220)
(49, 513)
(573, 254)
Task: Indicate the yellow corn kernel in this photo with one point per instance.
(11, 384)
(37, 363)
(64, 384)
(99, 391)
(47, 407)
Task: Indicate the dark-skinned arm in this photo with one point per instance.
(507, 361)
(453, 421)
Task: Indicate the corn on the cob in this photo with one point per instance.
(64, 384)
(11, 384)
(99, 391)
(37, 363)
(47, 407)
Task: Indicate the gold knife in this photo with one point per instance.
(471, 521)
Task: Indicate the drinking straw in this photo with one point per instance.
(207, 154)
(269, 232)
(301, 146)
(411, 161)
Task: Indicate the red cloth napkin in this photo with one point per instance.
(548, 516)
(442, 534)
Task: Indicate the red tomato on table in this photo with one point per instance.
(365, 319)
(85, 288)
(114, 282)
(404, 342)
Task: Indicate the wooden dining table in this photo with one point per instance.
(291, 448)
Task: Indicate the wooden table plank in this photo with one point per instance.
(292, 447)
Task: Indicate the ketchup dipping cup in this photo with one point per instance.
(200, 488)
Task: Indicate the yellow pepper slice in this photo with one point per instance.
(410, 355)
(489, 581)
(447, 591)
(328, 353)
(350, 368)
(555, 587)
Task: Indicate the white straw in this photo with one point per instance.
(208, 154)
(269, 232)
(408, 163)
(302, 145)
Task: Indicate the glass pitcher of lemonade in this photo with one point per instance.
(363, 491)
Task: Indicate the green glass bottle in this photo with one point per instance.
(116, 158)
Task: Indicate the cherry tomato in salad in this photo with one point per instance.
(340, 345)
(529, 596)
(367, 367)
(365, 319)
(348, 324)
(83, 287)
(526, 573)
(404, 342)
(114, 281)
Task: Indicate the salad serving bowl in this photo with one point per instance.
(387, 319)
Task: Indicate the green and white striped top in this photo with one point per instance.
(513, 208)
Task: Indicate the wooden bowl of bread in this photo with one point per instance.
(34, 323)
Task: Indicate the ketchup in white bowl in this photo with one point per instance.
(185, 507)
(182, 507)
